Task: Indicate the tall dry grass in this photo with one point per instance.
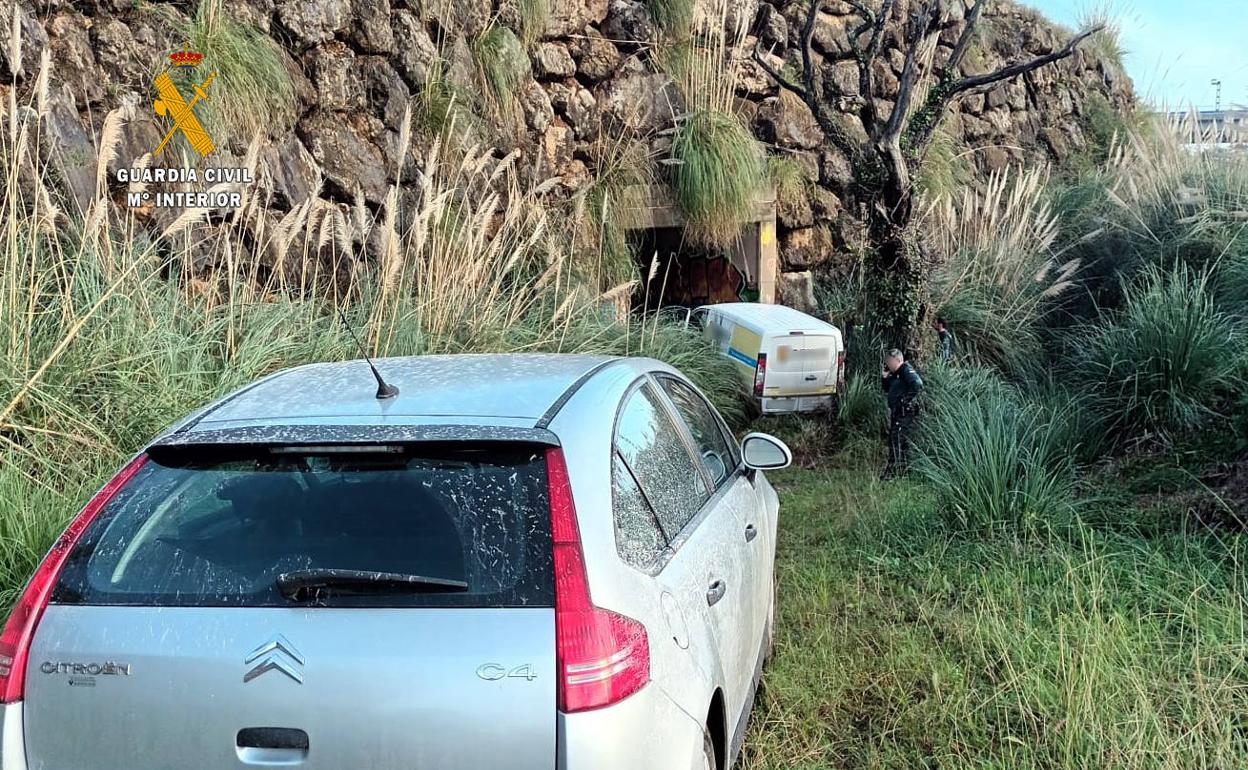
(1002, 271)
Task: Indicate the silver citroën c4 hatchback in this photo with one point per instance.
(512, 563)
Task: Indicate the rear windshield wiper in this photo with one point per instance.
(305, 584)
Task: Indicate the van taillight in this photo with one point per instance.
(760, 374)
(20, 628)
(840, 371)
(602, 657)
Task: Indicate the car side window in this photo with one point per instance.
(655, 451)
(713, 448)
(638, 536)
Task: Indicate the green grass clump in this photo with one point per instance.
(252, 92)
(440, 108)
(673, 17)
(531, 17)
(788, 176)
(717, 173)
(502, 62)
(1230, 284)
(995, 461)
(862, 407)
(1167, 362)
(1107, 43)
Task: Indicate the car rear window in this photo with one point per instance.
(196, 530)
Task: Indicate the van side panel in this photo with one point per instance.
(743, 347)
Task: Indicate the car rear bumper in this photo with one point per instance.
(12, 746)
(647, 730)
(789, 404)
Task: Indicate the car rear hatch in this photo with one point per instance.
(338, 607)
(802, 365)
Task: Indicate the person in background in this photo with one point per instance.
(902, 385)
(946, 341)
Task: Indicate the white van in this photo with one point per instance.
(792, 362)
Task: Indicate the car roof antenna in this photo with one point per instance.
(384, 389)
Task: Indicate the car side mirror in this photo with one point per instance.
(762, 452)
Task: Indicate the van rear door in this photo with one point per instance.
(375, 607)
(801, 365)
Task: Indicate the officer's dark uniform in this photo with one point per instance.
(946, 345)
(903, 388)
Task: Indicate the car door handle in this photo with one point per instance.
(751, 532)
(812, 377)
(716, 592)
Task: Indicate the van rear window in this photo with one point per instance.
(223, 530)
(802, 354)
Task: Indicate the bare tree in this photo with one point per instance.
(897, 138)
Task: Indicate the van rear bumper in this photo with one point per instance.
(791, 404)
(12, 744)
(647, 730)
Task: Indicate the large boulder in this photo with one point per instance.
(797, 290)
(458, 18)
(312, 22)
(414, 51)
(76, 67)
(806, 248)
(371, 29)
(342, 145)
(641, 102)
(570, 17)
(293, 173)
(385, 93)
(257, 13)
(596, 57)
(629, 23)
(535, 105)
(786, 121)
(331, 68)
(70, 150)
(126, 66)
(552, 61)
(577, 106)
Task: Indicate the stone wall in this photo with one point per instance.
(355, 64)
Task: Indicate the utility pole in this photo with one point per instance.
(1217, 99)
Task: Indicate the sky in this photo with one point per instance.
(1174, 48)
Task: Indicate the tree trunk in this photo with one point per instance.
(894, 272)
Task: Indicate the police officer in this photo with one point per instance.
(946, 340)
(902, 385)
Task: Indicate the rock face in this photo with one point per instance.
(357, 66)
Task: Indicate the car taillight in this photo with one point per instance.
(20, 628)
(840, 371)
(760, 374)
(602, 657)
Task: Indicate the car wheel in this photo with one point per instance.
(708, 761)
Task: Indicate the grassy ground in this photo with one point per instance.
(900, 644)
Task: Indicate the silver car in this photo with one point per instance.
(512, 563)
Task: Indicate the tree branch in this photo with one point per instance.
(808, 64)
(775, 74)
(964, 40)
(1022, 68)
(912, 72)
